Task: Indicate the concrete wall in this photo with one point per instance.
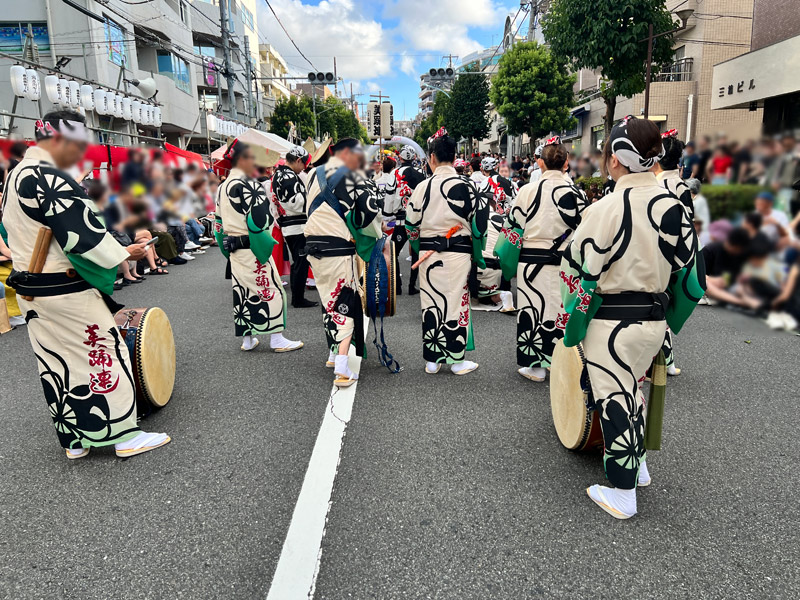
(774, 21)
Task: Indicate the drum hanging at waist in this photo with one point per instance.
(380, 280)
(574, 416)
(148, 335)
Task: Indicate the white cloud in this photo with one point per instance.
(408, 65)
(444, 25)
(331, 28)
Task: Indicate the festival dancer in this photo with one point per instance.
(669, 176)
(344, 219)
(243, 231)
(444, 217)
(408, 178)
(631, 265)
(535, 233)
(84, 365)
(496, 187)
(289, 198)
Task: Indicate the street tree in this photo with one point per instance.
(611, 37)
(467, 113)
(337, 121)
(533, 91)
(297, 110)
(433, 121)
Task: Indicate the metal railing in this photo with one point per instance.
(680, 70)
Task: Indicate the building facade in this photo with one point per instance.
(681, 94)
(766, 77)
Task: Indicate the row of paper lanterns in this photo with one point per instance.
(70, 94)
(223, 127)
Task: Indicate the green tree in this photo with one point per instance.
(467, 113)
(297, 110)
(433, 121)
(533, 91)
(337, 121)
(610, 36)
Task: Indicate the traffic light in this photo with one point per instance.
(442, 73)
(321, 77)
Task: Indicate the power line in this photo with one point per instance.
(289, 36)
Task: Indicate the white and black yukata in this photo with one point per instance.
(407, 179)
(84, 365)
(536, 231)
(445, 201)
(243, 231)
(629, 270)
(498, 195)
(333, 238)
(288, 195)
(672, 181)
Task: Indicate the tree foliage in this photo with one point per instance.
(297, 110)
(467, 113)
(533, 91)
(337, 121)
(611, 37)
(433, 121)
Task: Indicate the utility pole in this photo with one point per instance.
(249, 77)
(226, 56)
(335, 78)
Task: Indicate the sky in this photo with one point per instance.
(382, 46)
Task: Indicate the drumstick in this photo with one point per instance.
(39, 256)
(429, 253)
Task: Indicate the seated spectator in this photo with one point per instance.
(723, 262)
(788, 300)
(762, 277)
(702, 215)
(720, 166)
(775, 222)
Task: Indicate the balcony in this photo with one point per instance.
(680, 70)
(425, 93)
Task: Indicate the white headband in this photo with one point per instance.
(626, 152)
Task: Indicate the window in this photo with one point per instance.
(175, 68)
(184, 11)
(247, 18)
(208, 51)
(12, 36)
(115, 38)
(209, 102)
(598, 136)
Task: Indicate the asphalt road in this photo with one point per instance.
(448, 487)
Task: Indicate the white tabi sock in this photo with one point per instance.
(623, 501)
(644, 475)
(342, 369)
(331, 356)
(142, 440)
(463, 367)
(533, 373)
(276, 340)
(76, 451)
(249, 342)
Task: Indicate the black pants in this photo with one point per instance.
(400, 236)
(299, 270)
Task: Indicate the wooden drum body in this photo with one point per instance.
(578, 428)
(148, 335)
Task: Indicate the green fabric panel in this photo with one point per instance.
(4, 234)
(478, 243)
(686, 288)
(470, 333)
(508, 252)
(365, 244)
(219, 236)
(261, 242)
(413, 240)
(580, 310)
(97, 276)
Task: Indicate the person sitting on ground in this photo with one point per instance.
(723, 263)
(762, 276)
(788, 301)
(776, 222)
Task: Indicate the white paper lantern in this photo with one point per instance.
(100, 101)
(136, 111)
(211, 122)
(34, 87)
(147, 115)
(118, 112)
(63, 98)
(127, 113)
(87, 97)
(51, 89)
(157, 116)
(74, 97)
(19, 81)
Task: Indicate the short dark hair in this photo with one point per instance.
(239, 148)
(344, 144)
(554, 156)
(754, 219)
(96, 189)
(64, 115)
(475, 163)
(443, 148)
(389, 164)
(760, 247)
(645, 137)
(673, 150)
(739, 238)
(18, 149)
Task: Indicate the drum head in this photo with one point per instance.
(156, 356)
(570, 416)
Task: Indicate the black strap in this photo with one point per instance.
(440, 243)
(540, 256)
(289, 220)
(633, 306)
(320, 246)
(326, 190)
(232, 243)
(42, 285)
(491, 263)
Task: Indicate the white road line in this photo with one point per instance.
(298, 566)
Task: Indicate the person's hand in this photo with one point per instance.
(769, 221)
(137, 251)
